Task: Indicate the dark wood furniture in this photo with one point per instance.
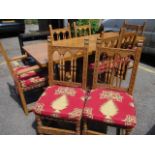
(62, 101)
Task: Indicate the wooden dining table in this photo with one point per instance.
(39, 51)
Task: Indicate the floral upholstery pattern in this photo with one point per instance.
(25, 75)
(110, 106)
(33, 82)
(30, 80)
(105, 64)
(61, 102)
(102, 66)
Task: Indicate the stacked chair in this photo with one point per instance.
(26, 78)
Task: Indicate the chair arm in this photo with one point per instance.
(18, 57)
(36, 67)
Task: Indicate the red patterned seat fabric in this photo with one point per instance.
(109, 106)
(61, 102)
(30, 80)
(33, 82)
(104, 65)
(25, 75)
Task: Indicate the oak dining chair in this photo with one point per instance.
(111, 42)
(112, 103)
(25, 77)
(127, 40)
(63, 101)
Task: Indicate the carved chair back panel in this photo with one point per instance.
(82, 30)
(109, 42)
(61, 33)
(66, 70)
(136, 28)
(113, 68)
(127, 39)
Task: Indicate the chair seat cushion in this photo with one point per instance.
(25, 75)
(33, 82)
(109, 106)
(102, 66)
(106, 64)
(61, 102)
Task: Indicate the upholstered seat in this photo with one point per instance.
(30, 79)
(109, 106)
(24, 75)
(33, 82)
(105, 64)
(61, 102)
(102, 66)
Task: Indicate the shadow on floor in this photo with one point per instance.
(148, 58)
(13, 93)
(34, 125)
(30, 96)
(151, 131)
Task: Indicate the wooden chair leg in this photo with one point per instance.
(84, 131)
(118, 131)
(23, 101)
(128, 131)
(122, 131)
(39, 123)
(125, 131)
(78, 129)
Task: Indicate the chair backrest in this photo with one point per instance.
(82, 30)
(136, 28)
(63, 61)
(61, 33)
(109, 42)
(126, 39)
(115, 60)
